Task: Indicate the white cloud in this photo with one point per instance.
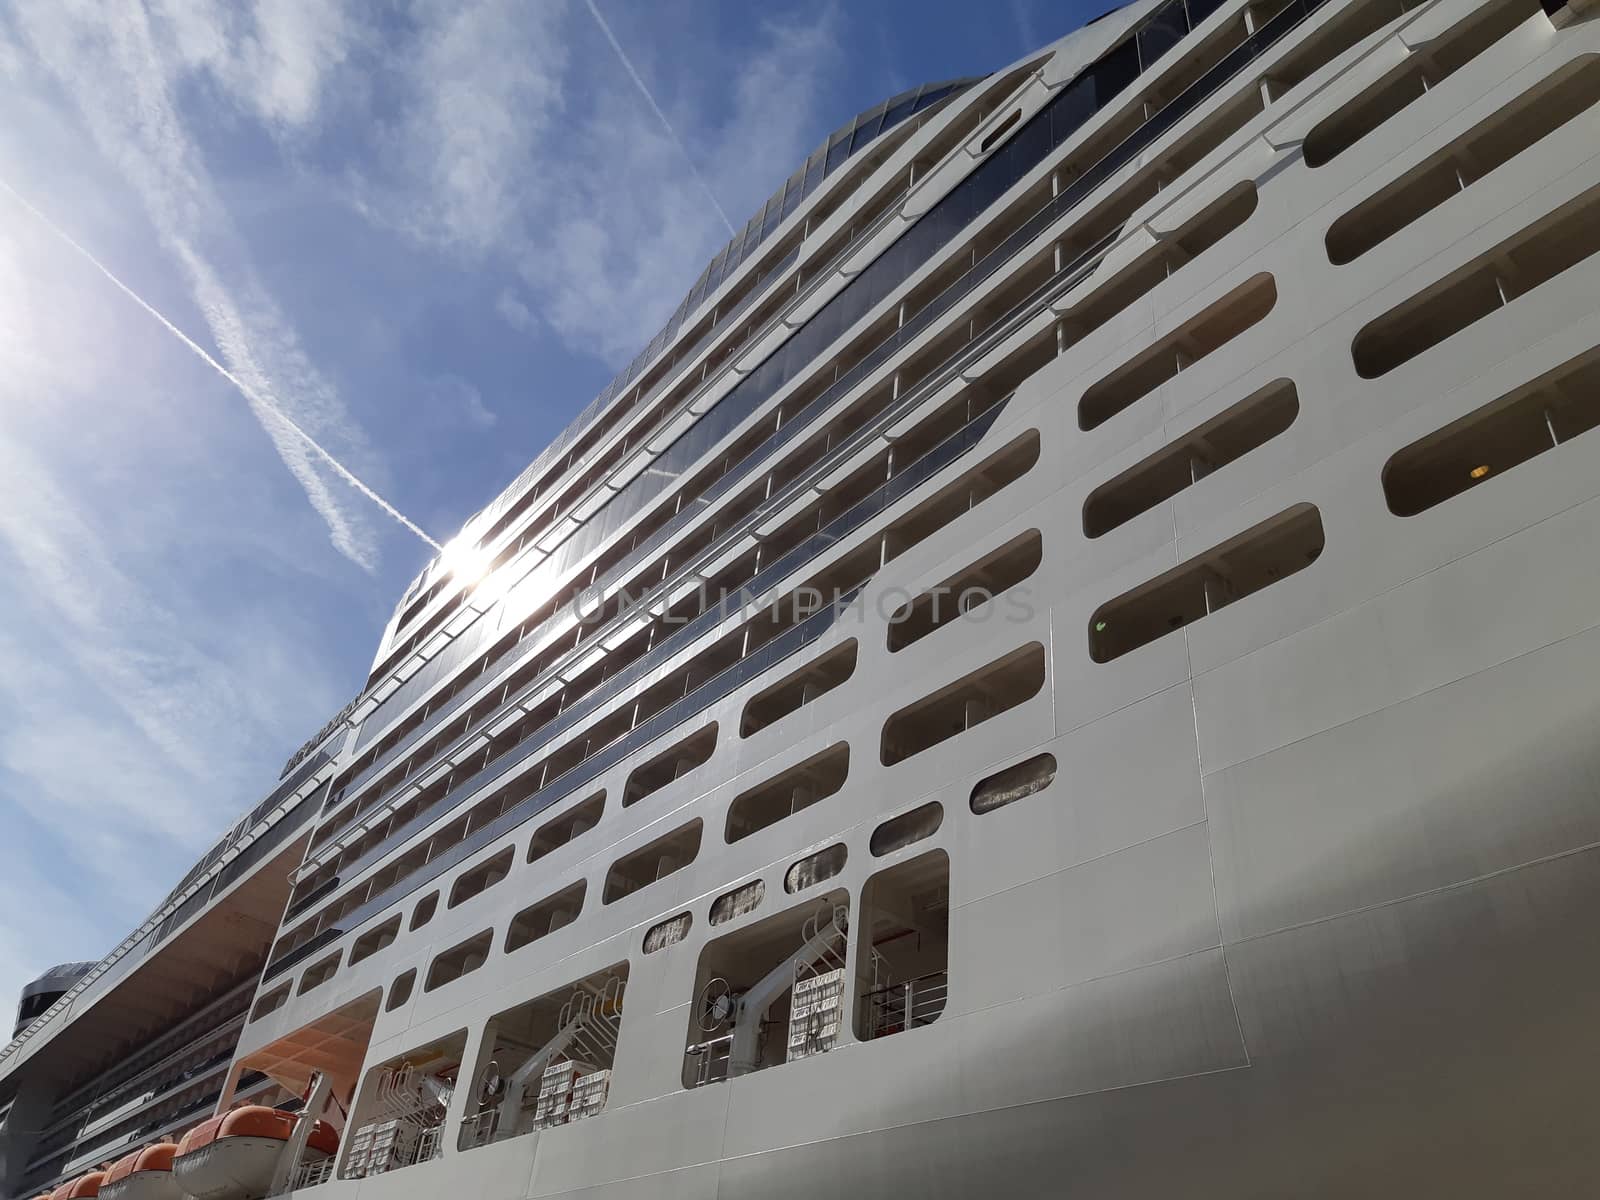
(139, 711)
(272, 57)
(125, 76)
(523, 140)
(457, 400)
(514, 312)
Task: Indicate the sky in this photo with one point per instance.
(428, 232)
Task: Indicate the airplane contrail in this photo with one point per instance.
(660, 116)
(348, 475)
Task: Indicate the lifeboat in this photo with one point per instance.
(235, 1156)
(143, 1175)
(82, 1188)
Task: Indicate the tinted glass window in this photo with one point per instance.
(1163, 32)
(814, 168)
(1115, 72)
(838, 151)
(794, 191)
(900, 109)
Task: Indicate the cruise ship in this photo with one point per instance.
(1069, 667)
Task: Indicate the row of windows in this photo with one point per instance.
(1240, 204)
(1538, 112)
(954, 709)
(797, 189)
(1212, 59)
(820, 264)
(843, 576)
(1219, 219)
(902, 936)
(1117, 142)
(1414, 78)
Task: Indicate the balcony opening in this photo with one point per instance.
(1014, 783)
(1200, 336)
(1260, 556)
(964, 704)
(577, 820)
(769, 993)
(544, 918)
(318, 974)
(743, 899)
(668, 933)
(482, 877)
(644, 866)
(788, 792)
(1490, 282)
(903, 962)
(1002, 469)
(373, 940)
(999, 131)
(970, 593)
(1414, 78)
(1488, 442)
(817, 678)
(400, 989)
(1168, 257)
(908, 828)
(1525, 121)
(548, 1062)
(1251, 423)
(815, 868)
(423, 912)
(461, 959)
(271, 1002)
(398, 1119)
(672, 763)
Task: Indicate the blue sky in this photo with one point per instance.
(429, 232)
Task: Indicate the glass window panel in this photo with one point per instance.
(1199, 10)
(1071, 109)
(929, 97)
(752, 238)
(815, 168)
(714, 276)
(769, 220)
(838, 151)
(794, 192)
(735, 253)
(1115, 72)
(867, 128)
(899, 109)
(1161, 33)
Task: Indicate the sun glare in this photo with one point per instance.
(465, 560)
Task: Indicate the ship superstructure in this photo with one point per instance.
(1064, 669)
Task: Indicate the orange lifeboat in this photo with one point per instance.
(143, 1175)
(82, 1188)
(235, 1156)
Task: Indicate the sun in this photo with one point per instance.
(465, 559)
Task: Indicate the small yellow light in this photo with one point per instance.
(1479, 471)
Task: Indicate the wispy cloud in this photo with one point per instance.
(650, 100)
(510, 141)
(124, 67)
(138, 712)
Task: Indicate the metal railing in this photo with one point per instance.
(906, 1005)
(312, 1172)
(712, 1059)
